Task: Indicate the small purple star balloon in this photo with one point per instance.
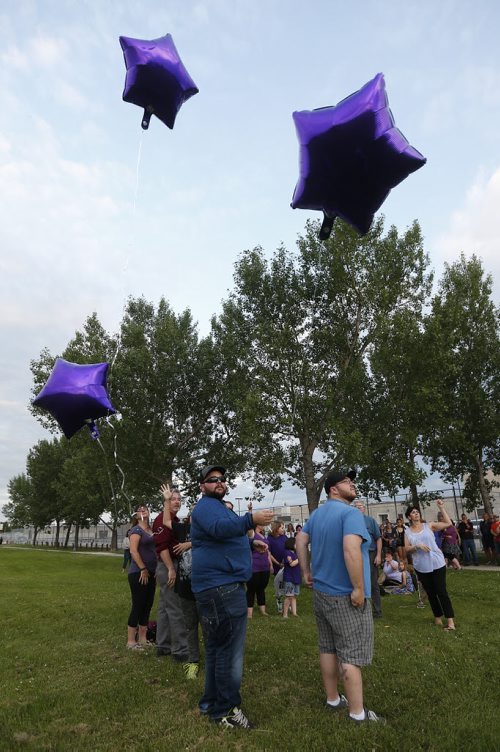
(156, 78)
(351, 155)
(76, 395)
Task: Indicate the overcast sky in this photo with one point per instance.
(93, 210)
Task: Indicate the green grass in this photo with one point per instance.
(69, 684)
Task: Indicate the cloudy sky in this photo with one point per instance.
(93, 210)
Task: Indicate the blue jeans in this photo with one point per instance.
(223, 617)
(469, 550)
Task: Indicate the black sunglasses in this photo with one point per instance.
(215, 479)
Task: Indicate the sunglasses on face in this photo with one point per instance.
(215, 479)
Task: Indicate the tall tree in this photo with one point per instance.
(464, 329)
(397, 418)
(295, 335)
(22, 509)
(44, 465)
(168, 384)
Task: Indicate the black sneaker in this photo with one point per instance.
(342, 704)
(235, 719)
(370, 717)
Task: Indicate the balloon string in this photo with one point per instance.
(113, 495)
(131, 244)
(301, 374)
(131, 247)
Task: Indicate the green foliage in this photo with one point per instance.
(20, 510)
(169, 386)
(321, 357)
(464, 334)
(296, 333)
(70, 685)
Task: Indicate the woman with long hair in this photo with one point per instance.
(388, 537)
(141, 578)
(399, 532)
(261, 571)
(429, 562)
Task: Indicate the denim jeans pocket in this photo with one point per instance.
(228, 590)
(234, 602)
(209, 616)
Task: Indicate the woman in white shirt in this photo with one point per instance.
(429, 562)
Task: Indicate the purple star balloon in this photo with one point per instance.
(156, 78)
(76, 395)
(351, 155)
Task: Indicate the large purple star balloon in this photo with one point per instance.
(351, 155)
(156, 78)
(76, 395)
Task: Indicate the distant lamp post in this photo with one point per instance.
(238, 500)
(455, 500)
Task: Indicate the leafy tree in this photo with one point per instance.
(80, 483)
(91, 345)
(44, 464)
(401, 390)
(20, 511)
(295, 336)
(168, 385)
(464, 331)
(33, 496)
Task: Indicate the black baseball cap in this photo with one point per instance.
(209, 469)
(336, 476)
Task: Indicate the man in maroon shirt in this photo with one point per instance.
(171, 636)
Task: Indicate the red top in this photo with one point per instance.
(164, 537)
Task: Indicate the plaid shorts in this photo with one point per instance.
(344, 629)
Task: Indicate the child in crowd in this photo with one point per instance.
(291, 578)
(406, 587)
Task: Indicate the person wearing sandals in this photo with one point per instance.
(261, 572)
(429, 562)
(141, 578)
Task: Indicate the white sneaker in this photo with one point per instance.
(370, 717)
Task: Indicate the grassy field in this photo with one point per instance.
(69, 684)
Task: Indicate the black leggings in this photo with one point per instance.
(142, 599)
(434, 584)
(257, 587)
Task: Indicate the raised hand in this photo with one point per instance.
(166, 492)
(263, 516)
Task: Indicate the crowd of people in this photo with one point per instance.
(213, 567)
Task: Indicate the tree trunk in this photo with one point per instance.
(67, 536)
(114, 537)
(485, 497)
(413, 486)
(35, 533)
(414, 496)
(77, 532)
(312, 491)
(58, 528)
